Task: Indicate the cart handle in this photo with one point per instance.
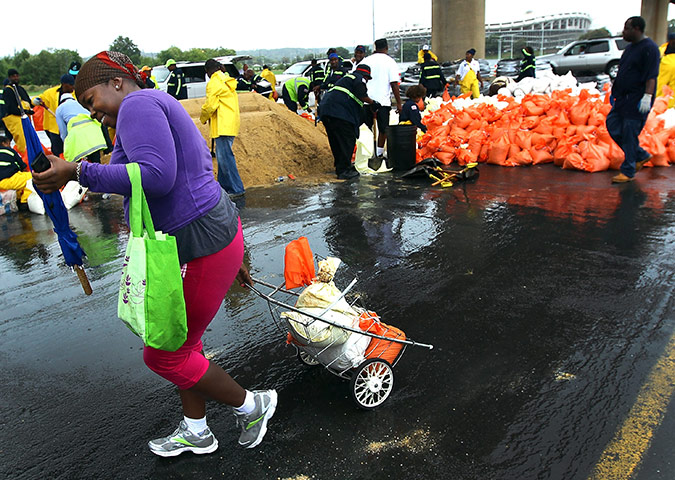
(349, 329)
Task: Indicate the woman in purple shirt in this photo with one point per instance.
(155, 131)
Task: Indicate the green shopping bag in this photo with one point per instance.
(151, 301)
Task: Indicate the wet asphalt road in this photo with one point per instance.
(547, 295)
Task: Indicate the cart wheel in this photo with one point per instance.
(372, 383)
(307, 359)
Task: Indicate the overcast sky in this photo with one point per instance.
(90, 26)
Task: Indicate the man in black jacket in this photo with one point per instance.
(341, 112)
(12, 95)
(431, 76)
(176, 86)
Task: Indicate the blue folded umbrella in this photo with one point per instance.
(56, 210)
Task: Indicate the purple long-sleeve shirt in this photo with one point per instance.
(155, 131)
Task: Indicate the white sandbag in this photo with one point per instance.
(35, 203)
(342, 357)
(504, 91)
(310, 331)
(72, 194)
(668, 117)
(8, 202)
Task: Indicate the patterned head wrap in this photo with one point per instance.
(105, 66)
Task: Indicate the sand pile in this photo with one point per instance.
(272, 141)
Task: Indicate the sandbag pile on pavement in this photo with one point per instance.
(543, 120)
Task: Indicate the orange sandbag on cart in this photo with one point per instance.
(298, 263)
(378, 348)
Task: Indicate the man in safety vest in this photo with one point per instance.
(222, 110)
(13, 171)
(334, 72)
(527, 64)
(341, 112)
(296, 91)
(468, 75)
(50, 100)
(431, 76)
(425, 49)
(245, 82)
(82, 136)
(150, 80)
(176, 86)
(17, 102)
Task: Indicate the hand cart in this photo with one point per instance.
(370, 374)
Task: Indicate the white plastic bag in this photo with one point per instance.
(8, 198)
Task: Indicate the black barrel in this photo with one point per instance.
(401, 146)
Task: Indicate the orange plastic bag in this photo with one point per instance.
(378, 348)
(445, 158)
(38, 118)
(298, 263)
(499, 151)
(540, 156)
(465, 156)
(580, 112)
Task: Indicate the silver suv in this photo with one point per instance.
(599, 55)
(195, 75)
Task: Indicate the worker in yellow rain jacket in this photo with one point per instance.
(222, 110)
(667, 68)
(468, 75)
(425, 49)
(17, 102)
(14, 173)
(268, 75)
(50, 100)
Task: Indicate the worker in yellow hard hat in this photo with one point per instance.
(148, 77)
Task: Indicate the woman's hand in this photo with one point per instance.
(243, 277)
(60, 173)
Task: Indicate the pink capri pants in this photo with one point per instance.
(205, 282)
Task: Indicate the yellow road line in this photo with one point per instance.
(624, 453)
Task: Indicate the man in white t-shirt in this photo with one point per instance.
(385, 80)
(468, 75)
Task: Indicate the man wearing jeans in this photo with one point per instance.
(633, 91)
(222, 109)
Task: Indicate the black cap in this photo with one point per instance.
(360, 48)
(74, 68)
(363, 70)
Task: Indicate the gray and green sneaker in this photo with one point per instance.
(254, 425)
(183, 440)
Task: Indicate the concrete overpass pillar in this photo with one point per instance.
(456, 26)
(655, 13)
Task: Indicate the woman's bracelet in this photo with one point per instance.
(78, 169)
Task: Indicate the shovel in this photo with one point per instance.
(375, 162)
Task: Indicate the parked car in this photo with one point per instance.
(600, 55)
(195, 75)
(510, 67)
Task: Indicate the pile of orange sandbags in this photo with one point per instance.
(559, 128)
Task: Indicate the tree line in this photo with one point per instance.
(46, 67)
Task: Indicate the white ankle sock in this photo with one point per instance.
(380, 151)
(195, 425)
(249, 404)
